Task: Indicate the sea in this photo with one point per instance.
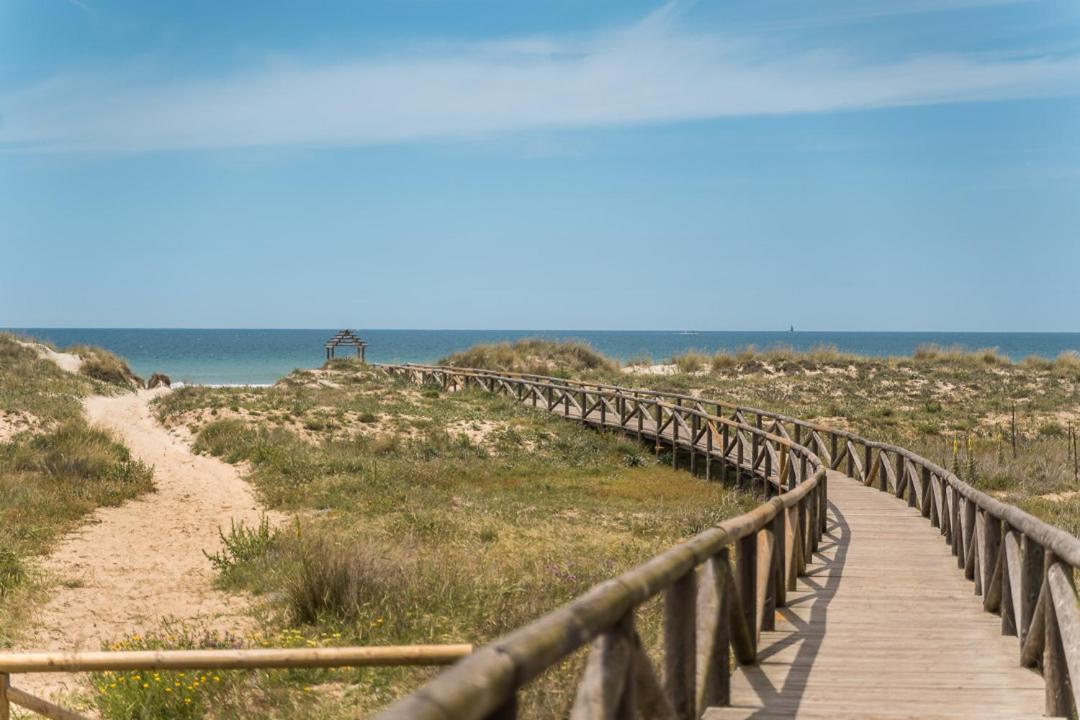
(260, 357)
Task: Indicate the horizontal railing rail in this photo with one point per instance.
(216, 659)
(711, 607)
(1020, 566)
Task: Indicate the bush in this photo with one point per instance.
(104, 366)
(242, 546)
(76, 450)
(691, 362)
(534, 356)
(331, 581)
(11, 571)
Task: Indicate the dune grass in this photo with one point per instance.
(422, 516)
(951, 405)
(100, 364)
(54, 468)
(536, 356)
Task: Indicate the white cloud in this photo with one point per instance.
(654, 71)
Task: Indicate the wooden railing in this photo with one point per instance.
(254, 659)
(710, 607)
(1020, 566)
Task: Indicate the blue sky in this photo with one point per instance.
(837, 165)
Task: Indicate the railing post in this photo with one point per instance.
(708, 449)
(694, 427)
(823, 507)
(680, 629)
(675, 416)
(640, 417)
(656, 429)
(1031, 577)
(1055, 671)
(1008, 607)
(928, 497)
(754, 445)
(768, 469)
(868, 458)
(607, 687)
(746, 571)
(767, 577)
(5, 706)
(955, 525)
(713, 661)
(725, 437)
(969, 527)
(780, 552)
(991, 546)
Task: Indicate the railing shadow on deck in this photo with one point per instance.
(837, 534)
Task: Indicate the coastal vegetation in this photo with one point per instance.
(54, 467)
(420, 516)
(103, 365)
(536, 356)
(1007, 427)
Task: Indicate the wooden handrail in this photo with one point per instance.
(217, 659)
(229, 659)
(773, 544)
(1008, 554)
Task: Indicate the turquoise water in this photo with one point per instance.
(263, 356)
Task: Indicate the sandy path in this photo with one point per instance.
(130, 566)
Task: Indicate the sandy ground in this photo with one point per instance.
(130, 566)
(661, 369)
(66, 361)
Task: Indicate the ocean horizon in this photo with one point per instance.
(263, 356)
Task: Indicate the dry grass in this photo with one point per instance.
(691, 362)
(103, 365)
(422, 533)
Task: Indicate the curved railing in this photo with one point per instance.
(709, 607)
(1021, 566)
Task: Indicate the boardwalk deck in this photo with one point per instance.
(883, 626)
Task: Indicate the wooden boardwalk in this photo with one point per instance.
(877, 585)
(883, 625)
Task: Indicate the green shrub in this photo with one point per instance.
(1052, 429)
(11, 571)
(242, 546)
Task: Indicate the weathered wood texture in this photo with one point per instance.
(1020, 566)
(709, 609)
(883, 625)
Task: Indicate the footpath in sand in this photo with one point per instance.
(130, 566)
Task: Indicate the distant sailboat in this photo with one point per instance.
(792, 329)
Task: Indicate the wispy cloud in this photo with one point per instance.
(655, 71)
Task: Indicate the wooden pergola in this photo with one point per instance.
(345, 338)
